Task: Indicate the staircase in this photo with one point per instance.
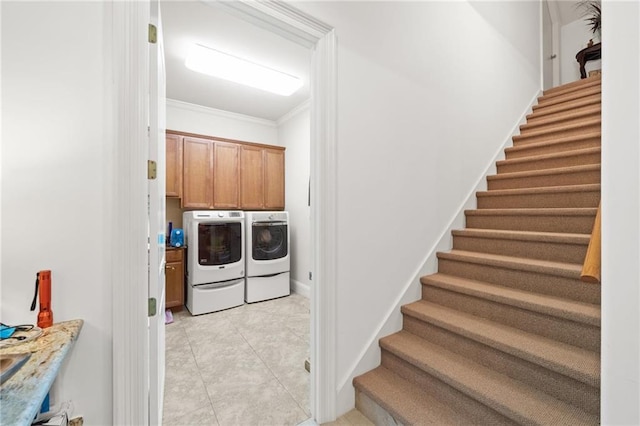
(505, 332)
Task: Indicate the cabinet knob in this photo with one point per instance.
(173, 268)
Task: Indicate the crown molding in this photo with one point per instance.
(220, 113)
(304, 106)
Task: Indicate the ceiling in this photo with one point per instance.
(568, 10)
(187, 22)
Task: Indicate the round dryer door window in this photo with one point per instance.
(269, 240)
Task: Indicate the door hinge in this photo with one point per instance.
(152, 306)
(152, 169)
(153, 34)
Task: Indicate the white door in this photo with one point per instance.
(157, 222)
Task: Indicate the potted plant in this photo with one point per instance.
(592, 14)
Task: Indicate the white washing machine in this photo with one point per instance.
(215, 260)
(268, 258)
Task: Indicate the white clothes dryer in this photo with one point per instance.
(268, 257)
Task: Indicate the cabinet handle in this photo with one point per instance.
(173, 268)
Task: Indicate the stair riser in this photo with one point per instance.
(571, 289)
(563, 118)
(582, 107)
(570, 332)
(540, 110)
(551, 148)
(559, 386)
(571, 224)
(546, 101)
(445, 392)
(578, 177)
(575, 86)
(373, 411)
(529, 136)
(550, 200)
(581, 159)
(558, 252)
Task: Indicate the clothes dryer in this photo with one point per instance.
(268, 257)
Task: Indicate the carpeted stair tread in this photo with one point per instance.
(585, 313)
(557, 143)
(544, 172)
(547, 267)
(509, 397)
(562, 117)
(563, 189)
(573, 86)
(571, 361)
(406, 401)
(539, 112)
(557, 128)
(569, 96)
(575, 220)
(552, 160)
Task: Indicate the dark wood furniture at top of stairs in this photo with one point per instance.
(506, 332)
(590, 53)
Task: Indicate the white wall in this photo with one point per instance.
(427, 92)
(55, 157)
(574, 37)
(185, 117)
(294, 132)
(621, 214)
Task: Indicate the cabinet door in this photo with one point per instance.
(174, 166)
(197, 183)
(274, 179)
(251, 178)
(174, 279)
(226, 172)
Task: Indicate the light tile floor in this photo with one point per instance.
(241, 366)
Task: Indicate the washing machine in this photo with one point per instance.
(215, 260)
(267, 257)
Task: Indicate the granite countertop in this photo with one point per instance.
(21, 396)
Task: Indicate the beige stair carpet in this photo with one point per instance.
(505, 332)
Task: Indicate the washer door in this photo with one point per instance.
(269, 240)
(219, 243)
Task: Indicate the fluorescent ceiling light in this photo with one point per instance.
(222, 65)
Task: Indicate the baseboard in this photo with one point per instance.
(370, 356)
(301, 288)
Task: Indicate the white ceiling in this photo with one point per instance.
(187, 22)
(569, 11)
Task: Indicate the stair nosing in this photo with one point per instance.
(557, 141)
(565, 211)
(540, 303)
(545, 190)
(543, 172)
(557, 128)
(477, 381)
(507, 339)
(546, 267)
(550, 156)
(566, 115)
(518, 235)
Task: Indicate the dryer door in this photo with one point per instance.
(269, 240)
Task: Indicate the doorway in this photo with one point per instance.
(321, 44)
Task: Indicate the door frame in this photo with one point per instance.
(129, 51)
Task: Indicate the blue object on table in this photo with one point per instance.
(44, 408)
(6, 331)
(177, 237)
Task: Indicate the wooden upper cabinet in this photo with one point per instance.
(198, 179)
(226, 173)
(251, 178)
(273, 179)
(174, 166)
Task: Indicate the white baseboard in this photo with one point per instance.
(301, 288)
(370, 356)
